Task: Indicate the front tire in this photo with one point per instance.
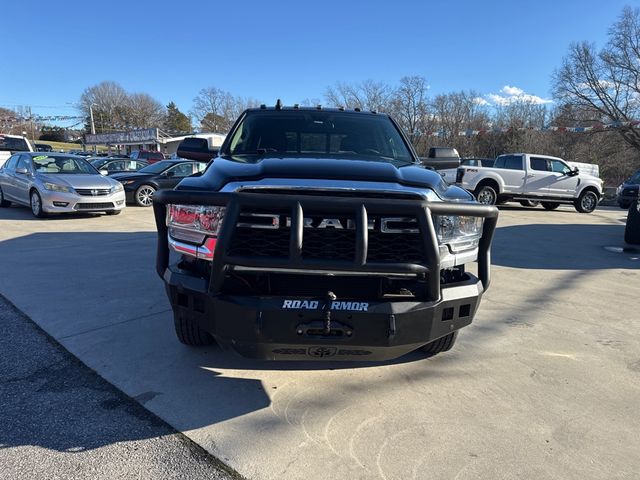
(4, 203)
(632, 229)
(587, 202)
(440, 345)
(144, 195)
(189, 332)
(550, 205)
(486, 195)
(36, 205)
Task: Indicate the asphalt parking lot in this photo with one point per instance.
(544, 384)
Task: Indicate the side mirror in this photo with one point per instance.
(574, 172)
(170, 174)
(22, 171)
(193, 148)
(104, 172)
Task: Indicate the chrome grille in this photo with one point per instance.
(93, 192)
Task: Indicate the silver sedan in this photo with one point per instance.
(58, 183)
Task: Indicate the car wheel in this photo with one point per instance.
(529, 203)
(113, 212)
(632, 229)
(440, 345)
(4, 203)
(36, 205)
(189, 332)
(624, 206)
(587, 202)
(550, 205)
(486, 195)
(144, 195)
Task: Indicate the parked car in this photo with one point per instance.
(632, 228)
(148, 155)
(43, 147)
(58, 183)
(10, 144)
(627, 191)
(141, 185)
(525, 177)
(117, 165)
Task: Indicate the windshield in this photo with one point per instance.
(98, 162)
(329, 134)
(635, 178)
(62, 164)
(158, 167)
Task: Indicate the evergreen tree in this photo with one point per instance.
(176, 121)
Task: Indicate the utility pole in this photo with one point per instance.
(93, 125)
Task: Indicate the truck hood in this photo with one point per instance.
(224, 170)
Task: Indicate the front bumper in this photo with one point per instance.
(268, 327)
(67, 202)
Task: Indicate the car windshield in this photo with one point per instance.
(98, 162)
(313, 133)
(635, 178)
(62, 164)
(158, 167)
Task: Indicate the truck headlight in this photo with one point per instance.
(459, 232)
(54, 187)
(193, 223)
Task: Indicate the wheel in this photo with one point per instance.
(624, 206)
(587, 201)
(36, 205)
(189, 332)
(4, 203)
(441, 345)
(550, 205)
(144, 195)
(486, 195)
(632, 229)
(113, 212)
(529, 203)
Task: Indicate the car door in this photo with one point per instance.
(23, 178)
(512, 173)
(6, 177)
(561, 184)
(539, 176)
(172, 176)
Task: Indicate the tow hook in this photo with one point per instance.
(326, 311)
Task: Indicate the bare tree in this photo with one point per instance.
(410, 106)
(143, 111)
(606, 83)
(109, 103)
(216, 110)
(367, 95)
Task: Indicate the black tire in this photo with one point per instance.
(189, 332)
(529, 203)
(35, 202)
(550, 205)
(586, 202)
(4, 203)
(624, 206)
(144, 195)
(632, 229)
(441, 345)
(486, 195)
(113, 212)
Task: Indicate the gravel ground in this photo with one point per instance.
(60, 420)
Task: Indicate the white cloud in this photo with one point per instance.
(480, 101)
(510, 94)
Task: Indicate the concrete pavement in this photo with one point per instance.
(544, 384)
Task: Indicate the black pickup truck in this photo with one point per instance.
(316, 234)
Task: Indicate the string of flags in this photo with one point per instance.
(40, 118)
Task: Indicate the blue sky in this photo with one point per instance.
(291, 50)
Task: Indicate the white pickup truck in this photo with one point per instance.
(529, 179)
(9, 144)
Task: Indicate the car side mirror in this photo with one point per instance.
(193, 148)
(104, 172)
(170, 174)
(22, 171)
(574, 172)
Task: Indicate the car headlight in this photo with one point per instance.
(459, 232)
(54, 187)
(117, 188)
(619, 190)
(193, 223)
(127, 182)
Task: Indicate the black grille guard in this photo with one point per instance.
(359, 207)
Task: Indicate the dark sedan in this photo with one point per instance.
(117, 165)
(140, 186)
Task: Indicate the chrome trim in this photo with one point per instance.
(384, 228)
(320, 185)
(275, 224)
(202, 252)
